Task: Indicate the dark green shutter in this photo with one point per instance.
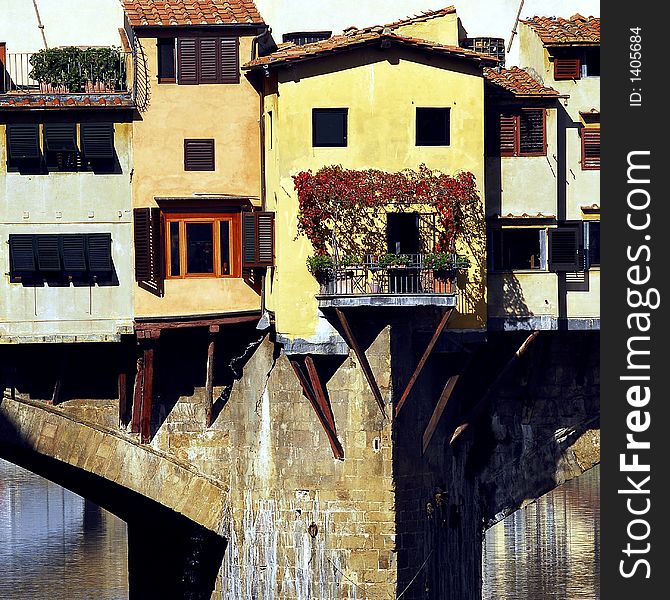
(99, 252)
(97, 140)
(48, 253)
(566, 248)
(60, 137)
(266, 238)
(187, 60)
(248, 240)
(148, 249)
(73, 250)
(257, 239)
(21, 254)
(23, 141)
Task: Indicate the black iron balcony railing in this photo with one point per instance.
(112, 76)
(403, 274)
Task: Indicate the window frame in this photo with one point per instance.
(165, 41)
(215, 219)
(543, 241)
(587, 244)
(344, 112)
(516, 115)
(447, 111)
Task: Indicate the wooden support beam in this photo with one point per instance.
(209, 382)
(478, 409)
(319, 392)
(147, 394)
(122, 383)
(338, 451)
(426, 353)
(56, 397)
(137, 396)
(362, 359)
(439, 409)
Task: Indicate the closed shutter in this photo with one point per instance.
(148, 249)
(21, 254)
(508, 125)
(60, 137)
(565, 248)
(99, 252)
(257, 239)
(187, 61)
(209, 60)
(97, 140)
(591, 148)
(199, 155)
(73, 249)
(23, 141)
(48, 253)
(230, 67)
(567, 68)
(531, 132)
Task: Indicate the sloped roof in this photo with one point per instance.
(557, 31)
(289, 53)
(518, 82)
(142, 13)
(424, 16)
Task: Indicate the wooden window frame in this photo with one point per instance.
(516, 115)
(583, 161)
(215, 219)
(165, 41)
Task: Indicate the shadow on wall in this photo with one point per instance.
(506, 296)
(472, 286)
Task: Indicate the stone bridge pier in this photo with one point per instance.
(307, 484)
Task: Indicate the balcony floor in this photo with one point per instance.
(386, 300)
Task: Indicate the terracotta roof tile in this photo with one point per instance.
(556, 31)
(518, 82)
(289, 53)
(191, 12)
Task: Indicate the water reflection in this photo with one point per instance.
(55, 545)
(549, 550)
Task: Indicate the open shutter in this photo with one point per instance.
(567, 68)
(48, 253)
(230, 67)
(257, 239)
(99, 252)
(73, 251)
(565, 248)
(21, 254)
(23, 141)
(590, 148)
(148, 249)
(508, 125)
(187, 61)
(97, 140)
(60, 137)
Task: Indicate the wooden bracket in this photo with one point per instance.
(143, 393)
(209, 382)
(362, 359)
(137, 395)
(417, 371)
(439, 409)
(123, 396)
(313, 390)
(478, 409)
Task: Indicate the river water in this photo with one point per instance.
(56, 546)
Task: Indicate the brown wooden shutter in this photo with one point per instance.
(187, 61)
(199, 155)
(532, 139)
(566, 248)
(229, 65)
(148, 250)
(209, 60)
(508, 131)
(257, 239)
(567, 68)
(590, 148)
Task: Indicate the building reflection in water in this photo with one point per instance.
(549, 550)
(56, 545)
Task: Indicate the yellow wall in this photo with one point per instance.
(381, 93)
(443, 30)
(229, 114)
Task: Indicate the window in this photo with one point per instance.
(305, 37)
(270, 130)
(167, 67)
(329, 127)
(590, 148)
(566, 248)
(60, 146)
(592, 239)
(523, 133)
(578, 63)
(70, 256)
(203, 60)
(567, 68)
(198, 155)
(518, 249)
(432, 126)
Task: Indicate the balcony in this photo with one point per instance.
(65, 77)
(391, 280)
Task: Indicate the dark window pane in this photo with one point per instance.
(199, 248)
(166, 62)
(225, 247)
(329, 127)
(517, 249)
(531, 131)
(432, 126)
(175, 269)
(594, 243)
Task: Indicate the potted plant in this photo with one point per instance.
(321, 266)
(395, 260)
(104, 70)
